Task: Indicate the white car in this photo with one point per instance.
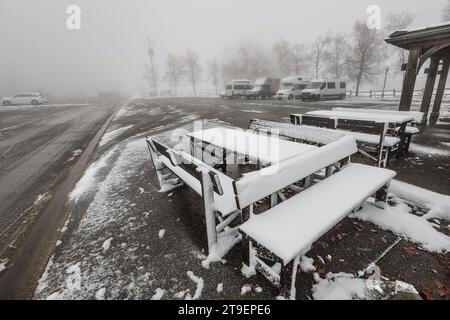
(291, 88)
(25, 98)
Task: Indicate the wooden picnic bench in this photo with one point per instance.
(285, 232)
(410, 130)
(373, 141)
(326, 187)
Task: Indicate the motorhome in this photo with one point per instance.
(325, 89)
(237, 89)
(291, 88)
(264, 88)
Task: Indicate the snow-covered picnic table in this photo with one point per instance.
(264, 148)
(366, 116)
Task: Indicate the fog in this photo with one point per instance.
(38, 52)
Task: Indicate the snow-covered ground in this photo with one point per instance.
(126, 240)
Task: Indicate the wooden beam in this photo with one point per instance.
(409, 81)
(440, 91)
(429, 86)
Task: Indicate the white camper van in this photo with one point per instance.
(237, 89)
(323, 89)
(291, 88)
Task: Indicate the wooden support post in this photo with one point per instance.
(245, 250)
(440, 91)
(429, 86)
(409, 81)
(273, 199)
(208, 209)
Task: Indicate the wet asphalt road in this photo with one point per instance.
(37, 146)
(111, 242)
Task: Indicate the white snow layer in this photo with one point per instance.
(159, 293)
(112, 134)
(200, 283)
(88, 181)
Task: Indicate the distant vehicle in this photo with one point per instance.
(25, 98)
(324, 89)
(237, 89)
(264, 88)
(291, 88)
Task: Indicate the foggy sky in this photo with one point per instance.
(37, 51)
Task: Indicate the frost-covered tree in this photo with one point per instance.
(336, 53)
(248, 61)
(175, 70)
(213, 73)
(291, 58)
(446, 13)
(395, 22)
(365, 55)
(193, 69)
(318, 54)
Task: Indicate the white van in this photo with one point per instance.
(237, 89)
(291, 88)
(323, 89)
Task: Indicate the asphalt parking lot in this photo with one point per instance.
(125, 240)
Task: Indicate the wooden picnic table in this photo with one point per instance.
(396, 121)
(366, 116)
(263, 148)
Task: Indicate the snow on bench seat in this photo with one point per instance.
(225, 204)
(292, 226)
(366, 116)
(412, 130)
(417, 115)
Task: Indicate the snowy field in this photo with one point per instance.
(126, 240)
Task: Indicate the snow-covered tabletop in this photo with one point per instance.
(417, 115)
(367, 116)
(266, 149)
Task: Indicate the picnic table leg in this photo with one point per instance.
(402, 146)
(208, 207)
(381, 197)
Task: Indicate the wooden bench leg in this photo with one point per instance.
(381, 197)
(288, 276)
(245, 250)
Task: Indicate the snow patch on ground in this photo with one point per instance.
(107, 244)
(400, 221)
(345, 286)
(112, 134)
(245, 289)
(200, 284)
(307, 264)
(161, 233)
(219, 287)
(429, 150)
(3, 264)
(88, 181)
(438, 204)
(159, 293)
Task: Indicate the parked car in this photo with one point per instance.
(323, 89)
(237, 89)
(25, 98)
(264, 88)
(291, 88)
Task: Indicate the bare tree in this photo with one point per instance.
(213, 72)
(336, 53)
(299, 57)
(175, 70)
(397, 22)
(366, 54)
(250, 61)
(151, 73)
(193, 69)
(282, 51)
(446, 13)
(317, 53)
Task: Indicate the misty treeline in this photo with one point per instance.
(361, 56)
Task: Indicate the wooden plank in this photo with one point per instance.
(429, 86)
(440, 91)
